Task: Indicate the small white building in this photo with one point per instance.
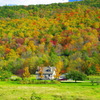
(46, 73)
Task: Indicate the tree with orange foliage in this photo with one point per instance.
(7, 50)
(41, 72)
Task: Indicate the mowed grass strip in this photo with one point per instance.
(62, 91)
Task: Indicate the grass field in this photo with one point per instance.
(62, 91)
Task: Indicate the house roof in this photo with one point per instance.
(46, 70)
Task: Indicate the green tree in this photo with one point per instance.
(91, 70)
(76, 75)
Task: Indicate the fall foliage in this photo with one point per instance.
(65, 35)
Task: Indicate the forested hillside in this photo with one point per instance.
(65, 35)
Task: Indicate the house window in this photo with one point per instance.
(49, 75)
(37, 70)
(45, 76)
(48, 70)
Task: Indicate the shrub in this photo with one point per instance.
(24, 73)
(20, 72)
(76, 75)
(15, 78)
(29, 81)
(94, 79)
(5, 74)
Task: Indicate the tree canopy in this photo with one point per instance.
(65, 35)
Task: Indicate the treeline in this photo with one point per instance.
(43, 10)
(63, 35)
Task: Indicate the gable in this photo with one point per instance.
(46, 70)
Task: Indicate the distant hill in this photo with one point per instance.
(9, 11)
(65, 35)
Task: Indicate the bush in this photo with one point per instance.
(24, 73)
(94, 79)
(15, 78)
(33, 81)
(76, 75)
(5, 75)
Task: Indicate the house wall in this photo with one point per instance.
(53, 75)
(47, 77)
(37, 77)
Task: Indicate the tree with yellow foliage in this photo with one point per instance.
(59, 66)
(26, 72)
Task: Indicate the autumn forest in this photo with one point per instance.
(64, 35)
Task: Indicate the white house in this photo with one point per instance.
(46, 73)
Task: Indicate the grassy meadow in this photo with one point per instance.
(63, 91)
(63, 35)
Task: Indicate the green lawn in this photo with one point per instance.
(62, 91)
